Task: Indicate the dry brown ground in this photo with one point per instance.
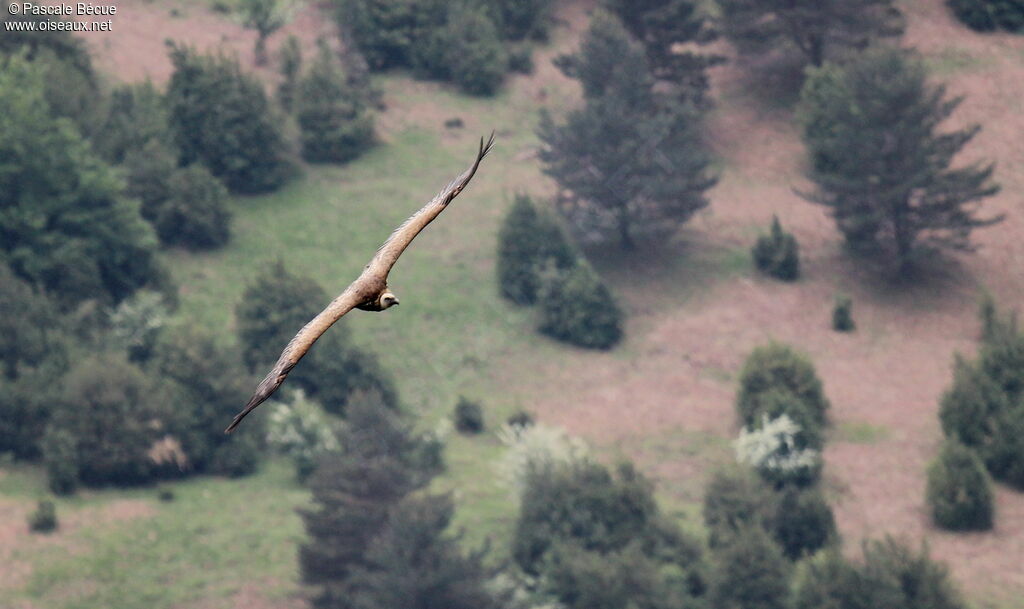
(666, 397)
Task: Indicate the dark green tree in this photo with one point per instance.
(212, 385)
(977, 411)
(777, 254)
(355, 491)
(115, 414)
(830, 581)
(735, 499)
(474, 55)
(667, 30)
(414, 564)
(136, 115)
(33, 359)
(385, 31)
(65, 225)
(523, 19)
(777, 380)
(751, 572)
(195, 214)
(577, 308)
(802, 523)
(959, 491)
(528, 241)
(988, 15)
(334, 372)
(334, 119)
(879, 163)
(632, 159)
(917, 581)
(816, 29)
(629, 577)
(468, 416)
(222, 118)
(582, 503)
(148, 171)
(273, 308)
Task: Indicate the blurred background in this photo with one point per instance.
(726, 320)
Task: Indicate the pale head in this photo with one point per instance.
(387, 299)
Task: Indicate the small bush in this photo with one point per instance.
(527, 241)
(777, 254)
(520, 418)
(165, 495)
(777, 367)
(842, 315)
(300, 430)
(195, 214)
(44, 519)
(803, 522)
(578, 309)
(959, 492)
(469, 417)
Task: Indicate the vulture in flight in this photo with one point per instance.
(368, 292)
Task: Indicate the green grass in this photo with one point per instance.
(217, 537)
(860, 432)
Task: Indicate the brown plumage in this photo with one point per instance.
(368, 292)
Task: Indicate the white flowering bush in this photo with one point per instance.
(772, 450)
(301, 430)
(136, 323)
(537, 446)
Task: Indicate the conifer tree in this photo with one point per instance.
(527, 241)
(415, 564)
(335, 121)
(631, 158)
(664, 27)
(815, 28)
(880, 164)
(355, 492)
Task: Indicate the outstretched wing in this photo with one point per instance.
(300, 344)
(389, 252)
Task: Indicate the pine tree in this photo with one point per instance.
(664, 27)
(335, 121)
(777, 254)
(290, 60)
(815, 28)
(195, 214)
(414, 564)
(355, 491)
(632, 159)
(528, 241)
(880, 165)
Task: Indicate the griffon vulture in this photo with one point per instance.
(368, 292)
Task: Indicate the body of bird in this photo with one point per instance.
(369, 292)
